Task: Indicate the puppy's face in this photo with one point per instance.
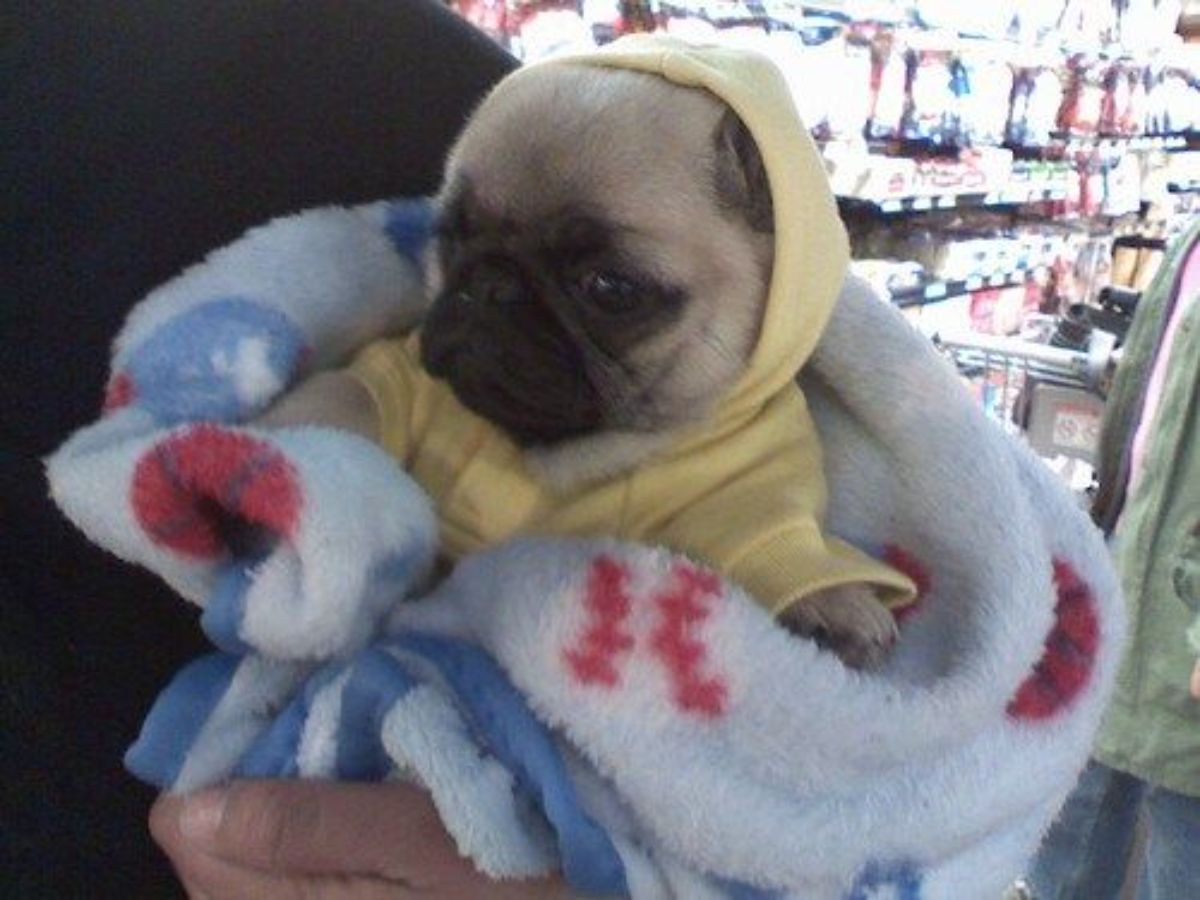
(603, 256)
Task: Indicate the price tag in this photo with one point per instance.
(936, 291)
(974, 283)
(998, 280)
(890, 206)
(946, 201)
(993, 199)
(922, 203)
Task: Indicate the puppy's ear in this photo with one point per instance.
(741, 178)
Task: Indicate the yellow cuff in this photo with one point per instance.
(792, 564)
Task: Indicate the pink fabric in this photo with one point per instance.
(1189, 290)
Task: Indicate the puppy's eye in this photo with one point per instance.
(609, 291)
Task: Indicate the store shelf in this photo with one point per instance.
(1118, 144)
(906, 205)
(934, 291)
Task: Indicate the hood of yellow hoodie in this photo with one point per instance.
(811, 247)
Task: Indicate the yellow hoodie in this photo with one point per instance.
(744, 492)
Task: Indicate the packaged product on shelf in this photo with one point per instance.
(1124, 264)
(1181, 100)
(1135, 119)
(1085, 268)
(1036, 100)
(1084, 98)
(1150, 259)
(1123, 186)
(890, 276)
(932, 106)
(1092, 169)
(847, 85)
(889, 80)
(1117, 107)
(978, 170)
(632, 16)
(1181, 171)
(985, 87)
(1147, 24)
(855, 172)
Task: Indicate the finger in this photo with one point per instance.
(313, 827)
(1196, 680)
(207, 878)
(424, 852)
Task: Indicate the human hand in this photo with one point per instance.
(1196, 681)
(320, 841)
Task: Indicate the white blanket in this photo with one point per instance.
(610, 710)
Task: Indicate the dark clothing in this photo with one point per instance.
(136, 137)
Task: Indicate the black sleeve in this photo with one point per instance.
(137, 136)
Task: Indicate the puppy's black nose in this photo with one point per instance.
(498, 285)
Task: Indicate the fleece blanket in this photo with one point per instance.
(612, 711)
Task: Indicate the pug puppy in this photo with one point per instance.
(600, 273)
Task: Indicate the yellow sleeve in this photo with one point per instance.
(388, 371)
(761, 529)
(778, 555)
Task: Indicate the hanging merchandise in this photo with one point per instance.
(889, 84)
(1176, 99)
(1084, 98)
(933, 101)
(1116, 108)
(985, 85)
(1122, 187)
(1145, 25)
(1036, 101)
(848, 74)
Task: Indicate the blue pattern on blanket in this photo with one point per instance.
(222, 360)
(408, 225)
(177, 718)
(222, 618)
(377, 681)
(507, 727)
(887, 881)
(276, 752)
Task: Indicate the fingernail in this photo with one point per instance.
(201, 815)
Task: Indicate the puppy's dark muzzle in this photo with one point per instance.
(462, 316)
(508, 359)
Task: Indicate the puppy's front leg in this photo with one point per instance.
(330, 398)
(847, 619)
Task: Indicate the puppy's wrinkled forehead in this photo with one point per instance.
(626, 146)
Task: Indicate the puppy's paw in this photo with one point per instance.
(847, 619)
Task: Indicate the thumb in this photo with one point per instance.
(1196, 681)
(388, 830)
